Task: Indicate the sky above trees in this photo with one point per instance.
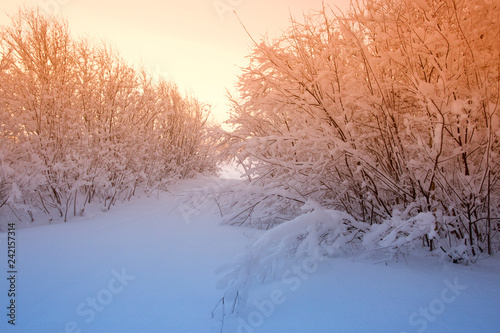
(197, 43)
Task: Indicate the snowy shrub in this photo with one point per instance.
(391, 107)
(259, 207)
(270, 254)
(79, 125)
(312, 237)
(318, 234)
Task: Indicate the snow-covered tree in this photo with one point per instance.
(385, 112)
(384, 123)
(80, 125)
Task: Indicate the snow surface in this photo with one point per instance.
(150, 267)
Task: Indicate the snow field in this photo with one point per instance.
(147, 266)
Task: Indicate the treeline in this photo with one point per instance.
(80, 125)
(386, 112)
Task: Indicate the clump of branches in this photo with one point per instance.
(388, 110)
(79, 125)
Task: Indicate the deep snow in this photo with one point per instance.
(150, 266)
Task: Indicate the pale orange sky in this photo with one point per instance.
(199, 44)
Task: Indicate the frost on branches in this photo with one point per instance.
(312, 237)
(80, 126)
(388, 114)
(386, 119)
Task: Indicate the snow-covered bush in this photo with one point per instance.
(79, 125)
(391, 107)
(312, 237)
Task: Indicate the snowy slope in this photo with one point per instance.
(147, 266)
